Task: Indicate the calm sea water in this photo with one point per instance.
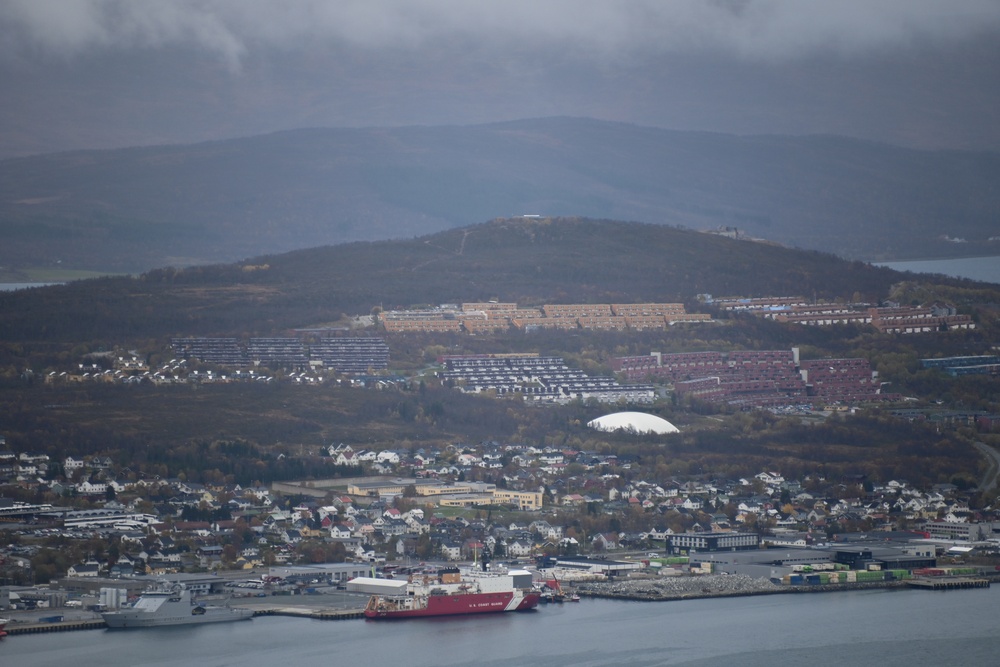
(986, 269)
(887, 628)
(10, 287)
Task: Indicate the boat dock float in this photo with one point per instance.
(947, 583)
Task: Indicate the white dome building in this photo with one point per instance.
(639, 422)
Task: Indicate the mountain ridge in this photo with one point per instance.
(138, 208)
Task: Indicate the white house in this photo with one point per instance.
(70, 465)
(91, 488)
(387, 456)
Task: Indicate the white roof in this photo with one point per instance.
(960, 550)
(640, 422)
(377, 586)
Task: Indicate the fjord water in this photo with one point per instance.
(11, 287)
(986, 269)
(888, 628)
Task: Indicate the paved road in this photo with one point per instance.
(992, 475)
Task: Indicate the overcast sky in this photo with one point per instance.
(102, 73)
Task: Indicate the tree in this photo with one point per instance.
(425, 547)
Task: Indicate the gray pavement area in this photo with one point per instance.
(324, 599)
(665, 588)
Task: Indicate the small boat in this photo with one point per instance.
(3, 624)
(574, 598)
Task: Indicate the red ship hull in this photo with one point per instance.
(456, 605)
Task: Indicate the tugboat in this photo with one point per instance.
(171, 604)
(552, 591)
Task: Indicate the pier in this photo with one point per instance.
(318, 613)
(306, 612)
(59, 626)
(947, 583)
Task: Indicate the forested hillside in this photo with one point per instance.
(241, 430)
(528, 261)
(266, 433)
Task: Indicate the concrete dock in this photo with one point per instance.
(317, 607)
(947, 583)
(61, 626)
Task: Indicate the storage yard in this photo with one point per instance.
(681, 587)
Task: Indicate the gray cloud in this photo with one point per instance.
(105, 73)
(749, 29)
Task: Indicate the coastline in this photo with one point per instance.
(638, 596)
(664, 589)
(981, 269)
(728, 586)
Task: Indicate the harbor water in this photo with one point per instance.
(986, 269)
(883, 627)
(11, 287)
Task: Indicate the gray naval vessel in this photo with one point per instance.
(171, 604)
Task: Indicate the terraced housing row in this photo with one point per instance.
(341, 354)
(536, 378)
(894, 319)
(494, 316)
(758, 378)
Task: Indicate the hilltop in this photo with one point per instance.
(523, 260)
(134, 209)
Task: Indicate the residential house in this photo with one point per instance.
(89, 569)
